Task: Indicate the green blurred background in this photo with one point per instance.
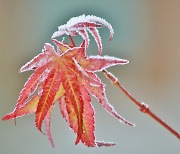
(147, 33)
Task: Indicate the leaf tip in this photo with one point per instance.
(38, 126)
(55, 34)
(6, 117)
(54, 40)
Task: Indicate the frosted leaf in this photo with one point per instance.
(57, 34)
(85, 36)
(102, 22)
(79, 25)
(94, 32)
(47, 122)
(80, 68)
(99, 63)
(86, 75)
(49, 49)
(99, 94)
(40, 59)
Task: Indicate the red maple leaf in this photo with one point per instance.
(67, 77)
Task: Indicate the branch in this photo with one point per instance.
(142, 106)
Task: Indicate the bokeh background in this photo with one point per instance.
(147, 33)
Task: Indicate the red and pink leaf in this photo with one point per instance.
(37, 61)
(50, 88)
(64, 112)
(85, 36)
(32, 83)
(73, 97)
(70, 53)
(82, 23)
(29, 108)
(88, 137)
(97, 38)
(95, 78)
(101, 22)
(68, 76)
(99, 93)
(61, 46)
(41, 59)
(59, 94)
(47, 121)
(49, 49)
(86, 75)
(98, 63)
(69, 114)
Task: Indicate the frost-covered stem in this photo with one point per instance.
(73, 44)
(142, 106)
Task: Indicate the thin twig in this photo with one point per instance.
(73, 43)
(142, 106)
